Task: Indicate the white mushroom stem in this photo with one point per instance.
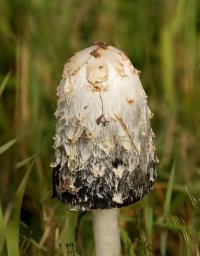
(106, 233)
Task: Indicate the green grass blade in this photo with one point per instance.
(169, 193)
(2, 230)
(184, 235)
(163, 241)
(3, 85)
(127, 243)
(148, 215)
(12, 230)
(24, 162)
(7, 145)
(67, 237)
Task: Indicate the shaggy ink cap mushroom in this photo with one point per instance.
(104, 152)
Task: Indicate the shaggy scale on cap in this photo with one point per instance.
(104, 154)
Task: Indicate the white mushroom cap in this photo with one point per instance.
(104, 154)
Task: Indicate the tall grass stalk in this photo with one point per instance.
(166, 211)
(13, 225)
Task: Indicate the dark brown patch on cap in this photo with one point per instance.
(130, 101)
(102, 120)
(95, 53)
(102, 45)
(98, 87)
(95, 87)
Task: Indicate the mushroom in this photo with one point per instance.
(104, 153)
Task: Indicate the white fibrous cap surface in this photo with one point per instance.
(104, 152)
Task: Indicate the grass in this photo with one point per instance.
(162, 38)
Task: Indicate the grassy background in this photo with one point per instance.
(162, 39)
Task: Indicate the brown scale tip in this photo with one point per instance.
(102, 45)
(95, 52)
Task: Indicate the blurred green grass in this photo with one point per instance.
(162, 38)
